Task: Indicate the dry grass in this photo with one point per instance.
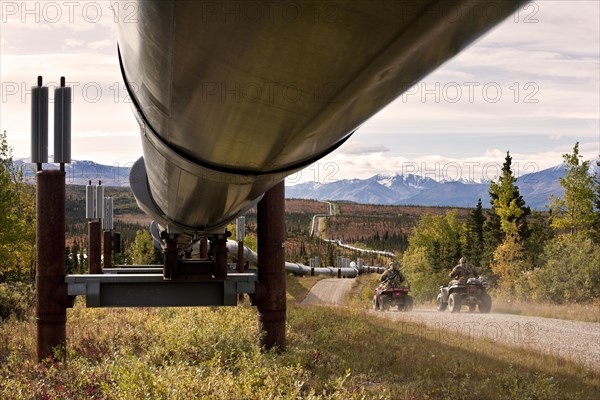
(333, 353)
(298, 287)
(578, 312)
(134, 218)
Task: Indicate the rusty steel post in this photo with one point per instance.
(107, 249)
(51, 289)
(240, 257)
(240, 264)
(94, 247)
(220, 249)
(271, 299)
(203, 248)
(170, 257)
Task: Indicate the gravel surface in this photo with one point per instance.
(578, 341)
(575, 340)
(328, 291)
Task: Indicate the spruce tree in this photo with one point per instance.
(506, 226)
(473, 246)
(508, 203)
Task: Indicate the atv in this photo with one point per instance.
(386, 298)
(473, 294)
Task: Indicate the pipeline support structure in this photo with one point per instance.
(208, 159)
(50, 287)
(270, 298)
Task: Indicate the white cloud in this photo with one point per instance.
(482, 167)
(102, 44)
(559, 53)
(74, 16)
(73, 42)
(360, 148)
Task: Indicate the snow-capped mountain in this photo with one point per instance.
(405, 186)
(81, 172)
(379, 189)
(415, 190)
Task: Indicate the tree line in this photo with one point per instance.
(551, 255)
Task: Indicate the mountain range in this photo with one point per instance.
(81, 172)
(395, 189)
(535, 188)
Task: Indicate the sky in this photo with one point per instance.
(530, 86)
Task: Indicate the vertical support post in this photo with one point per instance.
(240, 257)
(94, 247)
(107, 249)
(220, 248)
(203, 248)
(51, 289)
(240, 232)
(271, 300)
(170, 257)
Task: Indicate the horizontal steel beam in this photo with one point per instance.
(150, 290)
(135, 270)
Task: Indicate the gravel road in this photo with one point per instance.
(578, 341)
(575, 340)
(328, 291)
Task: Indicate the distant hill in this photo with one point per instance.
(416, 190)
(81, 172)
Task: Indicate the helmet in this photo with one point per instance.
(462, 260)
(393, 265)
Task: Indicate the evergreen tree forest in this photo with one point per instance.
(549, 256)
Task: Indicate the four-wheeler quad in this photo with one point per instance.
(472, 293)
(386, 298)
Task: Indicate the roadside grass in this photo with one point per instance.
(360, 296)
(578, 312)
(332, 353)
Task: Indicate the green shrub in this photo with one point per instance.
(16, 300)
(424, 281)
(571, 271)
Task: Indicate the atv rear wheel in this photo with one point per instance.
(408, 303)
(454, 302)
(384, 304)
(486, 303)
(439, 302)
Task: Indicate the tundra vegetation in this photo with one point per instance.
(331, 353)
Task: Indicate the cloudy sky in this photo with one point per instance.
(530, 86)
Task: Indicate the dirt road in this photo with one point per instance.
(328, 291)
(575, 340)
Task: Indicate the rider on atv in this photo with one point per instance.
(391, 277)
(462, 272)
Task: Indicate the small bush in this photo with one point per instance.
(571, 272)
(16, 300)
